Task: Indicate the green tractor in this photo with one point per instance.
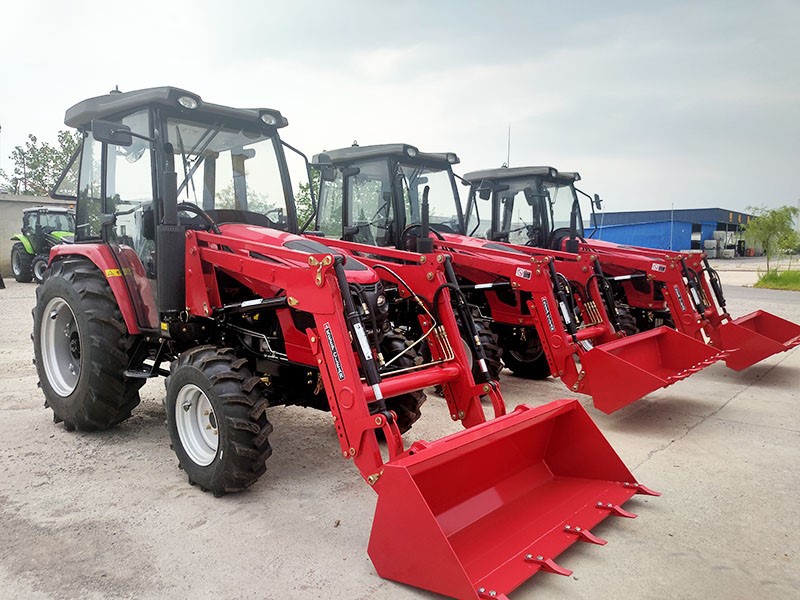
(42, 228)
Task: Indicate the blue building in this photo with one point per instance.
(680, 229)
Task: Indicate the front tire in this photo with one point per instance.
(38, 268)
(81, 348)
(405, 406)
(491, 349)
(21, 263)
(217, 421)
(523, 353)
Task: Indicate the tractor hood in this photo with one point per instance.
(479, 243)
(357, 272)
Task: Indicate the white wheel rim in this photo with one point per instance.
(61, 347)
(468, 352)
(16, 267)
(39, 269)
(196, 424)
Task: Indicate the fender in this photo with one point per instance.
(101, 256)
(25, 242)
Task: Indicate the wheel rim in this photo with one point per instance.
(527, 350)
(39, 269)
(61, 347)
(468, 352)
(197, 425)
(16, 267)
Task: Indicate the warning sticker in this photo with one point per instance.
(658, 268)
(524, 273)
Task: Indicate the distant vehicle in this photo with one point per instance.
(42, 228)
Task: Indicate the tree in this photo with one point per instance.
(773, 229)
(302, 197)
(38, 165)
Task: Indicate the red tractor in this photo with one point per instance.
(658, 287)
(553, 311)
(251, 316)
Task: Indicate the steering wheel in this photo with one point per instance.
(559, 235)
(194, 209)
(405, 237)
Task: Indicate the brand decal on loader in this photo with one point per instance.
(336, 361)
(548, 314)
(680, 298)
(524, 273)
(659, 268)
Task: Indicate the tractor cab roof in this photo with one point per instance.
(516, 172)
(120, 103)
(402, 151)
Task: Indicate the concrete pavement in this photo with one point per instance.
(109, 515)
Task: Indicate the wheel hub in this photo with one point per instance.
(197, 425)
(60, 340)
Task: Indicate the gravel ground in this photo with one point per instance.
(109, 515)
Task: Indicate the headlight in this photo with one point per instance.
(452, 158)
(187, 102)
(553, 173)
(411, 151)
(269, 119)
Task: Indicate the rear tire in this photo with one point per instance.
(21, 263)
(81, 348)
(38, 268)
(217, 421)
(524, 356)
(405, 406)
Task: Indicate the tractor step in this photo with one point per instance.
(146, 373)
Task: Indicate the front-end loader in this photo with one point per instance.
(552, 310)
(657, 287)
(248, 316)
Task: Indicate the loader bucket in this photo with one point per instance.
(754, 337)
(486, 508)
(626, 369)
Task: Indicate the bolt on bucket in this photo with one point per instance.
(754, 337)
(485, 509)
(623, 371)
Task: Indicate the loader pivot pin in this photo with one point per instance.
(548, 564)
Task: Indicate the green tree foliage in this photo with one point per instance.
(303, 195)
(773, 229)
(37, 165)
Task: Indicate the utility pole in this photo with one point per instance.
(508, 147)
(671, 223)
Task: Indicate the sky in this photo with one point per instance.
(656, 104)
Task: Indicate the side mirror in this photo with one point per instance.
(597, 202)
(112, 133)
(322, 162)
(485, 189)
(530, 197)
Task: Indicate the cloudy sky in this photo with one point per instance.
(655, 103)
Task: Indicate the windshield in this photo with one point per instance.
(442, 200)
(57, 222)
(228, 168)
(522, 219)
(562, 197)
